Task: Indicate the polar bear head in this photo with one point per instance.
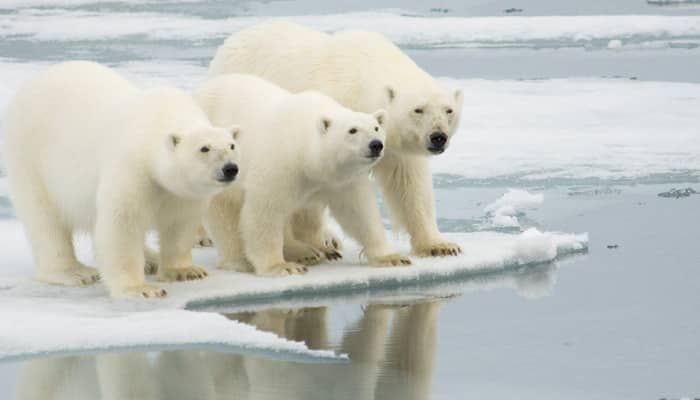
(422, 119)
(198, 162)
(351, 142)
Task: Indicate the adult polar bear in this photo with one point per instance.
(365, 72)
(87, 151)
(298, 149)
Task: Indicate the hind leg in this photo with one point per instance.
(298, 251)
(51, 239)
(309, 226)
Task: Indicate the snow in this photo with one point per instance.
(404, 28)
(574, 129)
(503, 212)
(85, 319)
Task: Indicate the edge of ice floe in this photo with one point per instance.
(421, 276)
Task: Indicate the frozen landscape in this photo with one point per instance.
(579, 278)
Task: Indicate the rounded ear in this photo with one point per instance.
(324, 123)
(380, 116)
(459, 96)
(235, 130)
(390, 93)
(173, 140)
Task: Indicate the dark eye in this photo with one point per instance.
(233, 146)
(376, 129)
(418, 111)
(352, 131)
(204, 149)
(449, 111)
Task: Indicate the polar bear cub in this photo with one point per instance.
(298, 150)
(87, 151)
(363, 71)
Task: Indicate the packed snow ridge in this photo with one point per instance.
(403, 28)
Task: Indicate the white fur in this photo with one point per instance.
(298, 155)
(87, 151)
(363, 71)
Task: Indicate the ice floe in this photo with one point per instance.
(503, 213)
(405, 28)
(583, 130)
(85, 319)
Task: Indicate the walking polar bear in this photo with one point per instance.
(364, 72)
(87, 151)
(298, 151)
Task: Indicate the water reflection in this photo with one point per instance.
(392, 350)
(391, 346)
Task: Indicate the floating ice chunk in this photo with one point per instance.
(678, 193)
(503, 212)
(615, 44)
(534, 246)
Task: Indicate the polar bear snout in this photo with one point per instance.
(228, 172)
(438, 140)
(375, 148)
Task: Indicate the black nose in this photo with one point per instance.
(376, 147)
(229, 171)
(438, 139)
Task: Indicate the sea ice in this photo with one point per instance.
(41, 320)
(405, 28)
(503, 213)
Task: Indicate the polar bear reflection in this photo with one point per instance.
(190, 375)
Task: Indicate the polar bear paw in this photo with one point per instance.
(284, 269)
(150, 267)
(182, 274)
(331, 247)
(79, 275)
(302, 253)
(390, 260)
(331, 254)
(441, 249)
(203, 241)
(140, 291)
(331, 241)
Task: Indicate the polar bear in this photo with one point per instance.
(87, 151)
(363, 71)
(298, 150)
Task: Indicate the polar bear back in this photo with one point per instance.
(274, 122)
(55, 132)
(76, 119)
(352, 67)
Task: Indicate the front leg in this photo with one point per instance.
(222, 222)
(119, 244)
(262, 226)
(407, 186)
(176, 239)
(356, 210)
